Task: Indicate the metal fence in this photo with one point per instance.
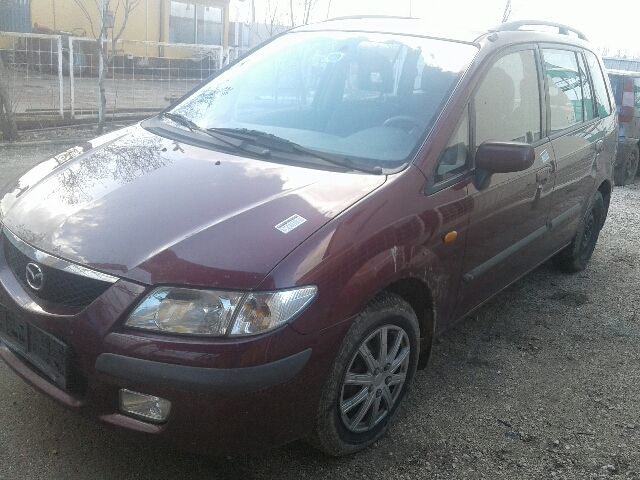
(34, 69)
(58, 74)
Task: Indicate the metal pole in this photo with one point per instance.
(72, 79)
(252, 32)
(100, 73)
(60, 80)
(236, 42)
(103, 8)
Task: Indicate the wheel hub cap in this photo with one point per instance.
(374, 378)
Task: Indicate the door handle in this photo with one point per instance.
(543, 175)
(599, 146)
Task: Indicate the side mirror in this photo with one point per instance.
(505, 157)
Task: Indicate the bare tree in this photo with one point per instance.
(305, 7)
(328, 9)
(292, 13)
(308, 6)
(273, 20)
(107, 14)
(7, 120)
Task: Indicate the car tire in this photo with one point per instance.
(576, 256)
(338, 431)
(627, 171)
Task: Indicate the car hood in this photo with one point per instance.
(140, 206)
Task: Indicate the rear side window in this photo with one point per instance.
(507, 103)
(637, 90)
(565, 88)
(599, 85)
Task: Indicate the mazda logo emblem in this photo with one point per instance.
(35, 277)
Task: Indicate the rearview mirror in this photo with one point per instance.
(505, 157)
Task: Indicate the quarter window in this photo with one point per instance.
(507, 103)
(565, 89)
(455, 158)
(589, 112)
(599, 85)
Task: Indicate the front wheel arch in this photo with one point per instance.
(418, 295)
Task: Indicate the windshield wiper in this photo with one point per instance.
(182, 120)
(270, 140)
(194, 127)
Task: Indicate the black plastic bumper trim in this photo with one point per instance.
(198, 379)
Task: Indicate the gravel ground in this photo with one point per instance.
(542, 382)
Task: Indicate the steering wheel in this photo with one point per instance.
(404, 120)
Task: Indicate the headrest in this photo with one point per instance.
(375, 73)
(436, 80)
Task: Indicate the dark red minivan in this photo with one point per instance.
(271, 258)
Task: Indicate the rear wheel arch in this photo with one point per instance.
(605, 189)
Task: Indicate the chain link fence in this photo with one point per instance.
(33, 65)
(58, 74)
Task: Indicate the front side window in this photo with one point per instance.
(637, 90)
(599, 85)
(370, 97)
(565, 88)
(507, 103)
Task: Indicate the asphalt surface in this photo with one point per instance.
(542, 382)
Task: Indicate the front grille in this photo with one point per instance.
(59, 287)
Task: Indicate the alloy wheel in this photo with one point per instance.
(374, 379)
(587, 245)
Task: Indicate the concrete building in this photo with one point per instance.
(204, 22)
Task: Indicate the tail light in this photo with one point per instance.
(627, 109)
(626, 114)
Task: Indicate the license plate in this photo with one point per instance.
(45, 352)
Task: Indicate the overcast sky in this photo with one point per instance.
(612, 23)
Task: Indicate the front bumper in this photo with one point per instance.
(199, 379)
(226, 394)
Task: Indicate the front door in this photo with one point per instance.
(507, 232)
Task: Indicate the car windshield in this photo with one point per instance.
(371, 97)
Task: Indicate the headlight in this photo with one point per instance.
(217, 313)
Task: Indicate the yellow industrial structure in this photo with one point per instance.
(204, 22)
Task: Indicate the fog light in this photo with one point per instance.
(145, 407)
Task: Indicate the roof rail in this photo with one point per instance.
(356, 17)
(517, 25)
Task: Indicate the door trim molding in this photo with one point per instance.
(484, 267)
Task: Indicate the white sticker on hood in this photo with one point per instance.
(291, 223)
